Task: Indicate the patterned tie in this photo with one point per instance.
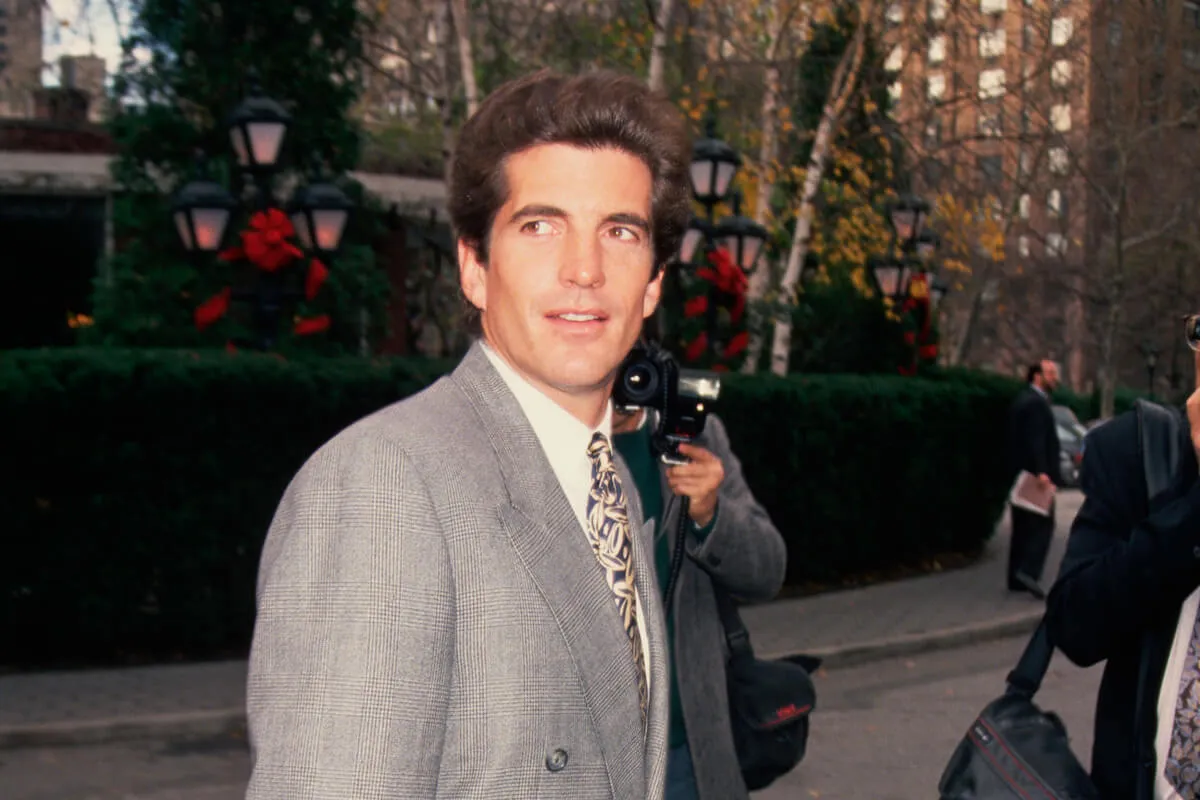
(1183, 759)
(608, 528)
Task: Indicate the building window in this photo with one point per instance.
(1027, 37)
(993, 6)
(991, 43)
(991, 169)
(1060, 73)
(1191, 58)
(1056, 244)
(895, 14)
(1025, 163)
(937, 49)
(1114, 32)
(991, 83)
(933, 134)
(937, 86)
(1026, 121)
(895, 59)
(1060, 31)
(895, 91)
(937, 10)
(1024, 205)
(1060, 161)
(1056, 203)
(1191, 13)
(991, 123)
(1060, 117)
(934, 172)
(1023, 246)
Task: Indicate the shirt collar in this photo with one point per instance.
(1040, 390)
(558, 430)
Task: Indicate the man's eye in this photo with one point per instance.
(625, 234)
(537, 227)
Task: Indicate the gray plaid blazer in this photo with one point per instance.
(432, 623)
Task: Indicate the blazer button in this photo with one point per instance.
(557, 761)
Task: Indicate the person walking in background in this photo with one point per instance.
(1033, 448)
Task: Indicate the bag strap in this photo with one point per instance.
(1026, 677)
(736, 635)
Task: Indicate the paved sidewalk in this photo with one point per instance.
(929, 612)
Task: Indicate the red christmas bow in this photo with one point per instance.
(317, 273)
(729, 278)
(213, 308)
(266, 244)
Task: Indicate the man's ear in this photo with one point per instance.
(652, 294)
(472, 275)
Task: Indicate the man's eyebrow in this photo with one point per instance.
(526, 212)
(630, 219)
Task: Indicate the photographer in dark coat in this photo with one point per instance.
(732, 543)
(1034, 448)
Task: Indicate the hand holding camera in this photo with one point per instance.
(698, 480)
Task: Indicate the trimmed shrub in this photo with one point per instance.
(140, 483)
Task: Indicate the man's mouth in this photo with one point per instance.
(579, 316)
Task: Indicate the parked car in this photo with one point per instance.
(1071, 435)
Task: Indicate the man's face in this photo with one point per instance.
(1050, 376)
(567, 284)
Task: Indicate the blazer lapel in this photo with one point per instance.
(553, 548)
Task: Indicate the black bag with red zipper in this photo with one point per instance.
(769, 704)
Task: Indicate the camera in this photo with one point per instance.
(650, 378)
(1191, 330)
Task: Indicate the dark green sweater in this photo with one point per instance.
(635, 448)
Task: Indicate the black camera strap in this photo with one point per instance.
(677, 554)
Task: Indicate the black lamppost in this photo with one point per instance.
(917, 246)
(907, 215)
(319, 211)
(714, 165)
(1150, 352)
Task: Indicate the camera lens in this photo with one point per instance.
(1192, 331)
(640, 383)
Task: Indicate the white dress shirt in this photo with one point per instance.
(1168, 695)
(565, 441)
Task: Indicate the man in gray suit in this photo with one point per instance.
(452, 602)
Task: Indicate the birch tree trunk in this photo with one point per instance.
(658, 45)
(760, 279)
(466, 53)
(840, 90)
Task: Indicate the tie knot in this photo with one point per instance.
(598, 447)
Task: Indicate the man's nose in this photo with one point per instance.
(583, 262)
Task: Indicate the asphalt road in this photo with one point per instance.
(882, 731)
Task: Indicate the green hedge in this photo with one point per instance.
(139, 484)
(868, 472)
